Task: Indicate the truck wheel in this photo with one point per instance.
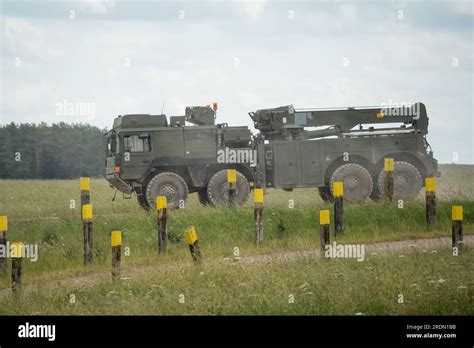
(376, 194)
(217, 190)
(407, 180)
(202, 196)
(357, 182)
(325, 194)
(142, 201)
(169, 184)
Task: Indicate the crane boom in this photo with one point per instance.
(285, 120)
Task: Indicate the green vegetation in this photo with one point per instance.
(431, 284)
(59, 151)
(39, 212)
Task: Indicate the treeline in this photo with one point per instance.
(58, 151)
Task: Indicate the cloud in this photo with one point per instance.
(463, 7)
(253, 9)
(99, 7)
(131, 59)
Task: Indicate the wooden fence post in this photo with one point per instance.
(430, 189)
(457, 228)
(17, 257)
(324, 225)
(85, 184)
(258, 214)
(116, 242)
(232, 185)
(338, 192)
(388, 178)
(3, 241)
(192, 240)
(162, 224)
(87, 232)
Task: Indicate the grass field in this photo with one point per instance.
(432, 283)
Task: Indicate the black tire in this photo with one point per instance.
(169, 184)
(407, 180)
(141, 198)
(217, 189)
(376, 193)
(202, 196)
(357, 182)
(325, 194)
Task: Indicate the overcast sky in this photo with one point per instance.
(88, 61)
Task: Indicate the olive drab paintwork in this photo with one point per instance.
(348, 145)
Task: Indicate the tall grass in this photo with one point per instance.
(430, 283)
(40, 212)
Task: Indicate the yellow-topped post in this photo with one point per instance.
(193, 243)
(3, 242)
(162, 218)
(324, 217)
(161, 202)
(457, 226)
(17, 250)
(258, 214)
(16, 253)
(457, 213)
(87, 212)
(116, 238)
(116, 243)
(232, 185)
(87, 232)
(258, 196)
(430, 193)
(389, 164)
(85, 186)
(430, 184)
(388, 168)
(324, 225)
(85, 183)
(338, 193)
(3, 223)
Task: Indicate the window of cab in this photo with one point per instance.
(137, 142)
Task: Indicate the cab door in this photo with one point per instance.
(136, 154)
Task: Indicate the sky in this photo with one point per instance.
(89, 61)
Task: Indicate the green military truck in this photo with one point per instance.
(306, 148)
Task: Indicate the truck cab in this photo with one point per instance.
(149, 157)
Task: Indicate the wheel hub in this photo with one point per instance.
(224, 190)
(169, 191)
(401, 183)
(351, 183)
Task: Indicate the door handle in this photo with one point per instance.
(146, 161)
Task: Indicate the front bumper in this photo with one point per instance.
(114, 178)
(116, 182)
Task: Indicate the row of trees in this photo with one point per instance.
(58, 151)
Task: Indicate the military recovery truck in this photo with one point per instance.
(293, 149)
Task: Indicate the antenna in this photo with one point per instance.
(162, 107)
